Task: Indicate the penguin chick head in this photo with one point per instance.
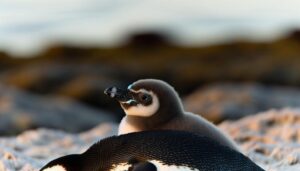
(147, 97)
(65, 163)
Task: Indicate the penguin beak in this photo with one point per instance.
(123, 96)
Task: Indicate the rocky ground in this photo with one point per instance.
(270, 138)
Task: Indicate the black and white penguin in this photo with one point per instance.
(162, 150)
(151, 104)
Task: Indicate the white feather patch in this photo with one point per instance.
(163, 167)
(55, 168)
(144, 111)
(125, 127)
(159, 165)
(113, 92)
(120, 167)
(130, 87)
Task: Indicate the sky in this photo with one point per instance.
(28, 26)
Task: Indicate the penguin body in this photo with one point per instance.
(152, 104)
(155, 151)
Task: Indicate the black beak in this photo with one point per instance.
(119, 94)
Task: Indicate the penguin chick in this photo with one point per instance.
(151, 104)
(155, 151)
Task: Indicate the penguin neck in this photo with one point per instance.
(155, 121)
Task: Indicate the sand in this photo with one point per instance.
(31, 150)
(271, 139)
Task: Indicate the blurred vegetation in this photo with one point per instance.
(84, 72)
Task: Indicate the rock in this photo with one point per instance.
(271, 138)
(89, 88)
(20, 111)
(46, 77)
(32, 149)
(220, 102)
(81, 82)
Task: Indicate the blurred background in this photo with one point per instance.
(226, 58)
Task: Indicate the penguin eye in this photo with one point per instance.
(145, 97)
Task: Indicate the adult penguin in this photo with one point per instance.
(162, 150)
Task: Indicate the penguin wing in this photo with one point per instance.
(144, 166)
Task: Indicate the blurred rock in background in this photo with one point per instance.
(20, 111)
(219, 102)
(82, 73)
